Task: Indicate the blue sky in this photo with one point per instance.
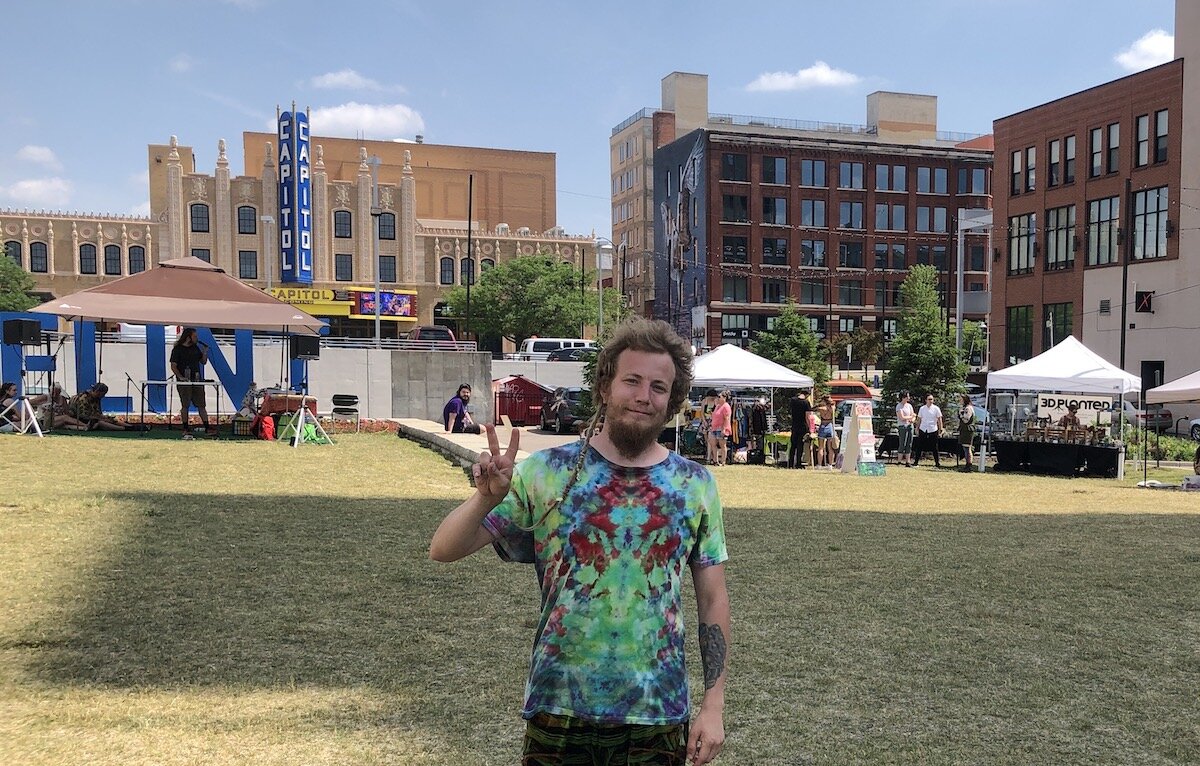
(85, 86)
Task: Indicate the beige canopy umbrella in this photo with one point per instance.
(183, 291)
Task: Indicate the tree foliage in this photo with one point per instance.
(793, 344)
(533, 295)
(922, 357)
(16, 286)
(866, 346)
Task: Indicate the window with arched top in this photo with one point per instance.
(247, 220)
(87, 259)
(387, 226)
(39, 258)
(487, 264)
(12, 249)
(199, 214)
(137, 259)
(342, 228)
(466, 271)
(112, 260)
(446, 271)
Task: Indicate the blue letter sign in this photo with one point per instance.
(295, 200)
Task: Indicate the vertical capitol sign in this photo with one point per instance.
(295, 200)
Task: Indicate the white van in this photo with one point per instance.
(537, 349)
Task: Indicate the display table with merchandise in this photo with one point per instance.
(1057, 458)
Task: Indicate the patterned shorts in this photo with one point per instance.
(559, 740)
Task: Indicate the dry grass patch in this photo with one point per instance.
(241, 602)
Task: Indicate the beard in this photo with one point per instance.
(632, 439)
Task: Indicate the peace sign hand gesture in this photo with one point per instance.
(493, 473)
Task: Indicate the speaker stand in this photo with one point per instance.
(24, 410)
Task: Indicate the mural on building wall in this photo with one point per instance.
(295, 200)
(680, 227)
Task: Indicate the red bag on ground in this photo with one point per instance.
(264, 427)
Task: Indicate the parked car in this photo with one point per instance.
(1194, 429)
(840, 390)
(578, 354)
(562, 410)
(1154, 418)
(538, 349)
(842, 409)
(433, 336)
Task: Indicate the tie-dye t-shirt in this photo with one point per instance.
(610, 643)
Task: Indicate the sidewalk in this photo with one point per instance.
(464, 449)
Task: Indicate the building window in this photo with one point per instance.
(39, 258)
(1141, 155)
(466, 271)
(1054, 166)
(1030, 169)
(199, 213)
(1018, 338)
(941, 180)
(1097, 152)
(735, 289)
(202, 253)
(387, 225)
(850, 175)
(774, 170)
(880, 294)
(1160, 136)
(817, 325)
(850, 255)
(883, 217)
(812, 253)
(1021, 230)
(882, 172)
(812, 213)
(972, 181)
(1015, 167)
(112, 260)
(87, 259)
(940, 222)
(735, 208)
(1056, 324)
(734, 250)
(939, 257)
(775, 251)
(734, 167)
(1060, 238)
(1103, 221)
(1150, 223)
(922, 218)
(775, 210)
(774, 291)
(387, 268)
(1069, 160)
(881, 255)
(812, 172)
(343, 267)
(1114, 147)
(899, 178)
(247, 264)
(247, 220)
(812, 292)
(446, 271)
(137, 259)
(899, 256)
(850, 292)
(851, 216)
(977, 258)
(12, 249)
(341, 224)
(847, 324)
(924, 180)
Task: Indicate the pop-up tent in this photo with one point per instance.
(185, 291)
(1069, 366)
(734, 367)
(1185, 389)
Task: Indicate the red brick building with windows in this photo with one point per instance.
(1084, 184)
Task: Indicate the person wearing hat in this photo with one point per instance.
(86, 408)
(1071, 419)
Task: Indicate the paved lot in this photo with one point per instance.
(464, 445)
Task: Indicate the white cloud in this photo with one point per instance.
(39, 155)
(38, 192)
(181, 63)
(1151, 49)
(819, 75)
(352, 120)
(140, 178)
(348, 79)
(143, 209)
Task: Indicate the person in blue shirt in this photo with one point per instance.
(455, 417)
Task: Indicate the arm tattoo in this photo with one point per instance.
(712, 652)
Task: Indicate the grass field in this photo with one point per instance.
(244, 603)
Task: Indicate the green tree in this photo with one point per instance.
(15, 286)
(922, 358)
(531, 295)
(793, 344)
(866, 346)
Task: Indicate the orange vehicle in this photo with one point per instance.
(840, 390)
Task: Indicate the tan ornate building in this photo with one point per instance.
(232, 222)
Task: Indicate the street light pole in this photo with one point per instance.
(602, 244)
(376, 213)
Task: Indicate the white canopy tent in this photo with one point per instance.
(1069, 366)
(733, 367)
(1185, 389)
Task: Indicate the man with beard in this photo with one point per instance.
(455, 416)
(610, 521)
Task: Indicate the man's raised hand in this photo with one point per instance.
(493, 472)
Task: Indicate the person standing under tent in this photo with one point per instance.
(188, 356)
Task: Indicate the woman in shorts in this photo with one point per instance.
(825, 435)
(720, 428)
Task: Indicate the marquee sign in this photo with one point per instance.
(295, 200)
